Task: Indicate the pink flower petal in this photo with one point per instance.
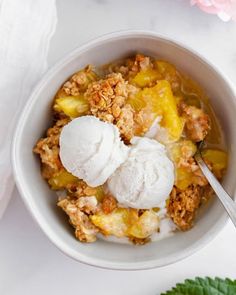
(224, 16)
(205, 2)
(208, 9)
(225, 9)
(221, 4)
(193, 2)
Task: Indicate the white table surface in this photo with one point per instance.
(29, 263)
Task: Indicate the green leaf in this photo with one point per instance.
(204, 286)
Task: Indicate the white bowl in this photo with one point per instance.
(35, 119)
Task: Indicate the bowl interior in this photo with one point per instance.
(36, 119)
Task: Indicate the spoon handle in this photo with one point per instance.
(228, 203)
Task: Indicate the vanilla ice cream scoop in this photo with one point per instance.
(91, 149)
(146, 178)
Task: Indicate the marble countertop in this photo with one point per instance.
(29, 263)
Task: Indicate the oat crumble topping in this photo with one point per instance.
(85, 231)
(48, 149)
(182, 206)
(107, 98)
(78, 82)
(109, 204)
(197, 122)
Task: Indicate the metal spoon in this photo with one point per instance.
(226, 200)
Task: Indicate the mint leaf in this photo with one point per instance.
(204, 286)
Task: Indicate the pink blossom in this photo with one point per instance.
(225, 9)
